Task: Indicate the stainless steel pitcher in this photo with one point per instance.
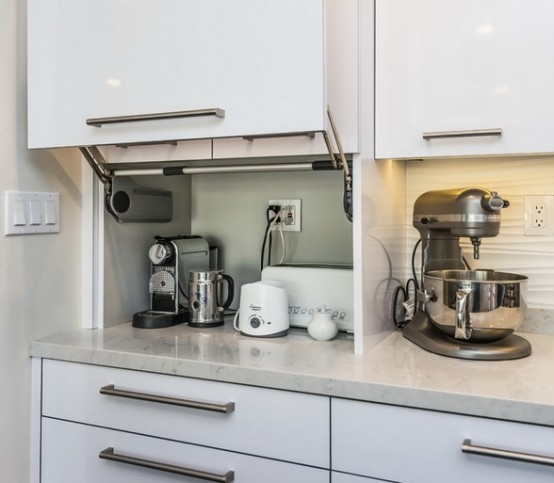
(204, 289)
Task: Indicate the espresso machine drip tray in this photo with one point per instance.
(423, 333)
(154, 319)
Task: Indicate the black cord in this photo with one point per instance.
(183, 292)
(269, 249)
(399, 290)
(405, 292)
(413, 264)
(267, 231)
(347, 201)
(407, 288)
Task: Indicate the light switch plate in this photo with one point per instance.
(30, 213)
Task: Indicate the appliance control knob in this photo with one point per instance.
(160, 252)
(255, 322)
(493, 202)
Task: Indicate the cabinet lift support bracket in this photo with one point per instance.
(98, 164)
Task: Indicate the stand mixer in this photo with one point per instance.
(468, 314)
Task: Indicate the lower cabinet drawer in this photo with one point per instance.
(418, 446)
(70, 454)
(264, 422)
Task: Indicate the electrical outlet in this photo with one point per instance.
(539, 215)
(291, 214)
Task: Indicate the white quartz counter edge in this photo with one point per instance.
(394, 372)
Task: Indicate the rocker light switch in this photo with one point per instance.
(51, 212)
(35, 215)
(19, 218)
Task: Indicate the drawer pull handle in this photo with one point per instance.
(110, 454)
(467, 447)
(187, 403)
(462, 134)
(155, 116)
(310, 134)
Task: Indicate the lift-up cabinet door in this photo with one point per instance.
(243, 67)
(463, 77)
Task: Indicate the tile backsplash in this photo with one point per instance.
(511, 251)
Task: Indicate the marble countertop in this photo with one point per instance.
(394, 372)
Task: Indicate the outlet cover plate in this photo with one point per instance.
(292, 216)
(539, 207)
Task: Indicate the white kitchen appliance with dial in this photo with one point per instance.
(263, 310)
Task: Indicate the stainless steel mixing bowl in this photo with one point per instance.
(476, 305)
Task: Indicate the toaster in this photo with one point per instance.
(311, 286)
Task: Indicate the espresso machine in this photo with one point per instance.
(463, 313)
(172, 258)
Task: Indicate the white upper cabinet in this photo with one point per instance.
(342, 51)
(109, 71)
(464, 77)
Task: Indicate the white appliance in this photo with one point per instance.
(263, 310)
(311, 286)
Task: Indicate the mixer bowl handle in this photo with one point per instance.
(463, 327)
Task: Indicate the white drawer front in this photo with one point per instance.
(70, 454)
(265, 422)
(344, 478)
(417, 446)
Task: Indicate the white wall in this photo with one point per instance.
(39, 274)
(513, 178)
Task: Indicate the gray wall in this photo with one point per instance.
(230, 211)
(126, 245)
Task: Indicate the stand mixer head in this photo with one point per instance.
(442, 217)
(463, 313)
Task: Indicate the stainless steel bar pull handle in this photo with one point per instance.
(467, 447)
(462, 134)
(187, 403)
(100, 121)
(110, 454)
(310, 134)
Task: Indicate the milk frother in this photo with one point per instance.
(204, 288)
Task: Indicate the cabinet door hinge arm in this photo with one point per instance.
(98, 164)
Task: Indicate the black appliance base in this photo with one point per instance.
(153, 319)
